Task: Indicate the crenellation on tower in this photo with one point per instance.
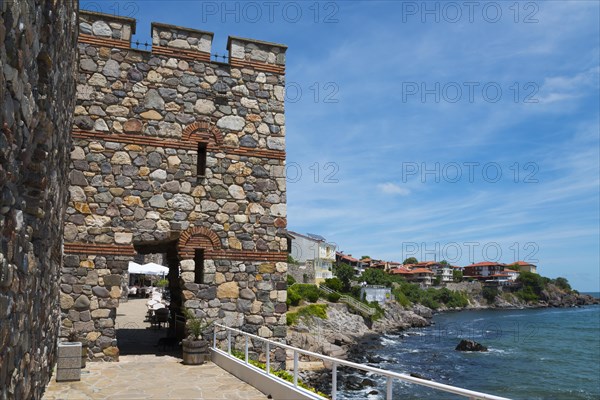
(106, 26)
(257, 52)
(180, 38)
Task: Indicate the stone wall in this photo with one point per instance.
(37, 91)
(141, 119)
(303, 272)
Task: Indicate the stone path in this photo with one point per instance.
(152, 377)
(145, 371)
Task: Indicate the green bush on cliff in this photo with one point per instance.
(334, 284)
(345, 273)
(293, 297)
(401, 297)
(562, 283)
(314, 310)
(410, 293)
(489, 294)
(302, 291)
(527, 294)
(333, 297)
(290, 280)
(532, 286)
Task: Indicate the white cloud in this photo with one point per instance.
(392, 188)
(563, 88)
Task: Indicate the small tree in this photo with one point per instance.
(437, 280)
(514, 267)
(292, 260)
(345, 273)
(489, 294)
(364, 257)
(562, 283)
(334, 284)
(410, 260)
(457, 275)
(373, 276)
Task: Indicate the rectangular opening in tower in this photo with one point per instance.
(201, 164)
(199, 266)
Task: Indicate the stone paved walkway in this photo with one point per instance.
(145, 371)
(152, 377)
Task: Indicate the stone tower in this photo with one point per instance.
(176, 154)
(38, 42)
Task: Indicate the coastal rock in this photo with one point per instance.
(470, 345)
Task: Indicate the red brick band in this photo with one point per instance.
(277, 69)
(99, 249)
(104, 42)
(181, 53)
(128, 250)
(238, 255)
(176, 144)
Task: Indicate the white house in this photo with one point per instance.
(375, 293)
(315, 256)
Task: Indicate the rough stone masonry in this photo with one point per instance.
(177, 154)
(38, 42)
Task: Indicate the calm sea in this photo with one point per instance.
(533, 354)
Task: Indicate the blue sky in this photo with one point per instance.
(437, 131)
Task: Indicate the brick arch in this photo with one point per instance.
(197, 237)
(202, 131)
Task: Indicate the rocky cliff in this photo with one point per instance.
(550, 296)
(343, 328)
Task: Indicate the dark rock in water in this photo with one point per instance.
(415, 375)
(470, 345)
(367, 382)
(353, 385)
(373, 392)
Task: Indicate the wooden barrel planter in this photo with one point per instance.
(195, 352)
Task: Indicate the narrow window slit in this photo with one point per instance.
(201, 163)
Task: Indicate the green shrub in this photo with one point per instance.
(379, 313)
(290, 280)
(307, 291)
(293, 297)
(333, 284)
(280, 373)
(489, 294)
(527, 294)
(458, 300)
(562, 283)
(311, 310)
(302, 291)
(401, 297)
(291, 318)
(333, 297)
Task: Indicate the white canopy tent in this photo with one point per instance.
(148, 269)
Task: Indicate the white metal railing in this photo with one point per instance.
(351, 301)
(470, 394)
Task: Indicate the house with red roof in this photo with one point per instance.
(524, 266)
(341, 258)
(422, 276)
(482, 270)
